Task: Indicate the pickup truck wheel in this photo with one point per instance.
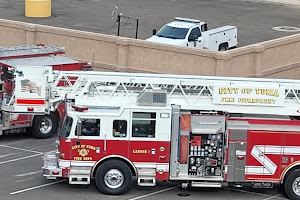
(292, 185)
(113, 178)
(223, 47)
(44, 126)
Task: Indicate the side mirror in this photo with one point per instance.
(204, 27)
(154, 31)
(79, 128)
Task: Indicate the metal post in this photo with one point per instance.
(119, 24)
(137, 27)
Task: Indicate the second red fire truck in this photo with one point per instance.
(202, 131)
(44, 124)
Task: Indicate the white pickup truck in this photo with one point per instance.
(193, 33)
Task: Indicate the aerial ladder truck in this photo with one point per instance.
(203, 131)
(43, 125)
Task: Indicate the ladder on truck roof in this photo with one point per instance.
(29, 51)
(233, 95)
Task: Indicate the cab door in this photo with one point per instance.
(87, 144)
(194, 38)
(143, 138)
(149, 145)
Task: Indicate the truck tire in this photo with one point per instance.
(292, 185)
(113, 177)
(223, 47)
(44, 126)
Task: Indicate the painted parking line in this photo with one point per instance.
(36, 187)
(18, 181)
(153, 193)
(17, 159)
(255, 193)
(37, 153)
(275, 196)
(28, 173)
(9, 154)
(17, 148)
(19, 142)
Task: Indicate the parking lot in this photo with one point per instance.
(21, 179)
(21, 155)
(253, 18)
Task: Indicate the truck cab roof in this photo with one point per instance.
(182, 24)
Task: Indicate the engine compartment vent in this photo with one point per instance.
(152, 97)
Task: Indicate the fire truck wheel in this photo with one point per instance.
(113, 177)
(292, 185)
(44, 126)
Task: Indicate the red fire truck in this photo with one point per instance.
(13, 121)
(202, 131)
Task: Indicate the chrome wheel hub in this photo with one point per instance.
(296, 186)
(113, 178)
(45, 125)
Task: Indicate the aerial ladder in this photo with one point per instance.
(111, 89)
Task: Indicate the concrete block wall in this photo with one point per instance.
(277, 58)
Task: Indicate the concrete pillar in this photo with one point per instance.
(123, 52)
(30, 33)
(223, 60)
(257, 59)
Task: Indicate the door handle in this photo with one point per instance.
(162, 157)
(77, 142)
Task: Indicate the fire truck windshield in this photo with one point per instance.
(66, 127)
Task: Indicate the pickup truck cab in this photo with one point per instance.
(193, 33)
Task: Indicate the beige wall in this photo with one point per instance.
(275, 58)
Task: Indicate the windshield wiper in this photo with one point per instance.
(171, 37)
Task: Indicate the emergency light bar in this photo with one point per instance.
(181, 19)
(79, 108)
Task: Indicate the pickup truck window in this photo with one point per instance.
(172, 32)
(195, 33)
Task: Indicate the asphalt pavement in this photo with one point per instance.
(21, 155)
(254, 18)
(21, 179)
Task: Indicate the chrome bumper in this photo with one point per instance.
(50, 167)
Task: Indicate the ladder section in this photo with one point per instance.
(29, 50)
(233, 95)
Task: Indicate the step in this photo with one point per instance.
(79, 179)
(206, 184)
(146, 181)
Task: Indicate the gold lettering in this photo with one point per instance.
(139, 151)
(246, 90)
(236, 90)
(276, 93)
(227, 99)
(223, 90)
(256, 101)
(268, 92)
(257, 91)
(76, 147)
